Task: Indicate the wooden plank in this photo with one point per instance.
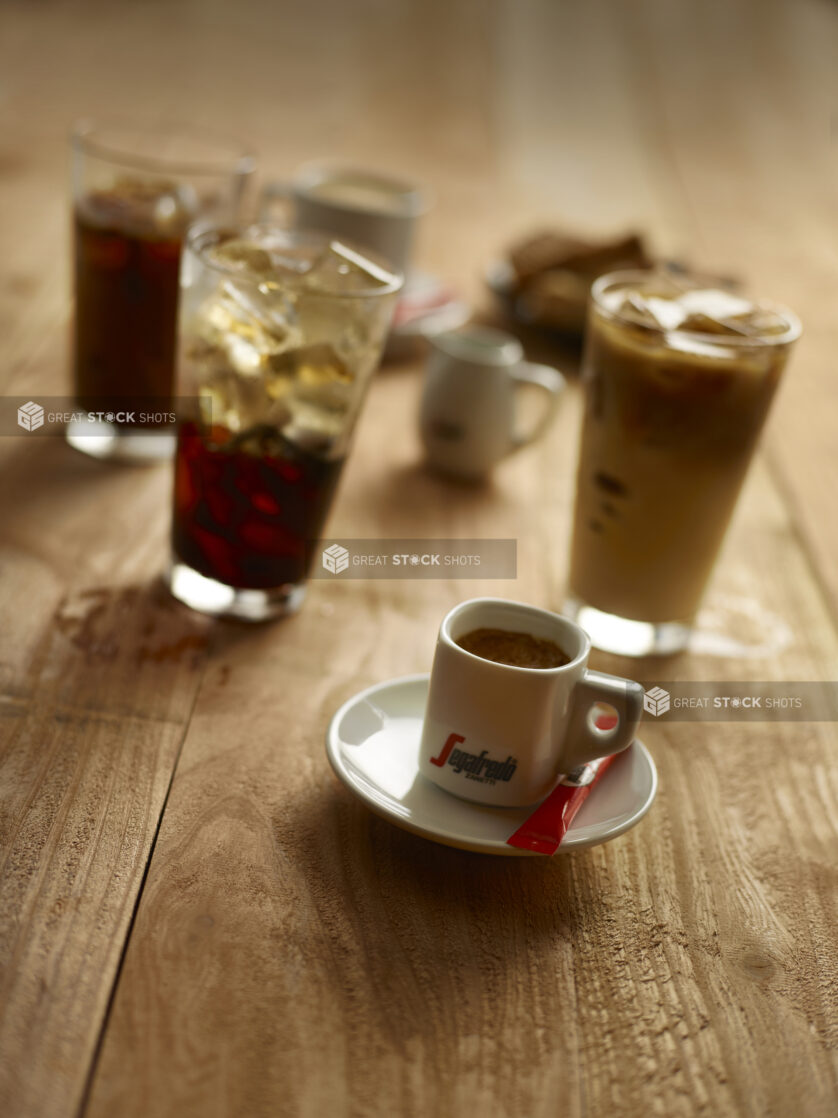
(91, 730)
(80, 801)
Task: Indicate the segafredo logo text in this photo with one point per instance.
(475, 766)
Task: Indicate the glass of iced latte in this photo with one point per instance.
(280, 333)
(678, 381)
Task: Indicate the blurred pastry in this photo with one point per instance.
(549, 274)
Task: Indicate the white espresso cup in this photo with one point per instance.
(467, 419)
(371, 209)
(504, 735)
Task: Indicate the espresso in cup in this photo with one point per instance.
(502, 733)
(518, 650)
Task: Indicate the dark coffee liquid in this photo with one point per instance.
(127, 274)
(519, 650)
(247, 506)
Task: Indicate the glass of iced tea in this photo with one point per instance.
(678, 378)
(135, 190)
(280, 333)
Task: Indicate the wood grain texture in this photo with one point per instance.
(291, 954)
(98, 679)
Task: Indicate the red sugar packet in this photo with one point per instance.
(543, 831)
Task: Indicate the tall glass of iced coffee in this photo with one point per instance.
(678, 380)
(135, 190)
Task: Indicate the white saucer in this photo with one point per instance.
(373, 745)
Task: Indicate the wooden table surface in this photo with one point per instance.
(196, 918)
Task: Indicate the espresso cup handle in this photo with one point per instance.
(584, 741)
(552, 382)
(273, 193)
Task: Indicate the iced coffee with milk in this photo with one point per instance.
(679, 378)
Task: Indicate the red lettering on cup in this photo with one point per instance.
(446, 749)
